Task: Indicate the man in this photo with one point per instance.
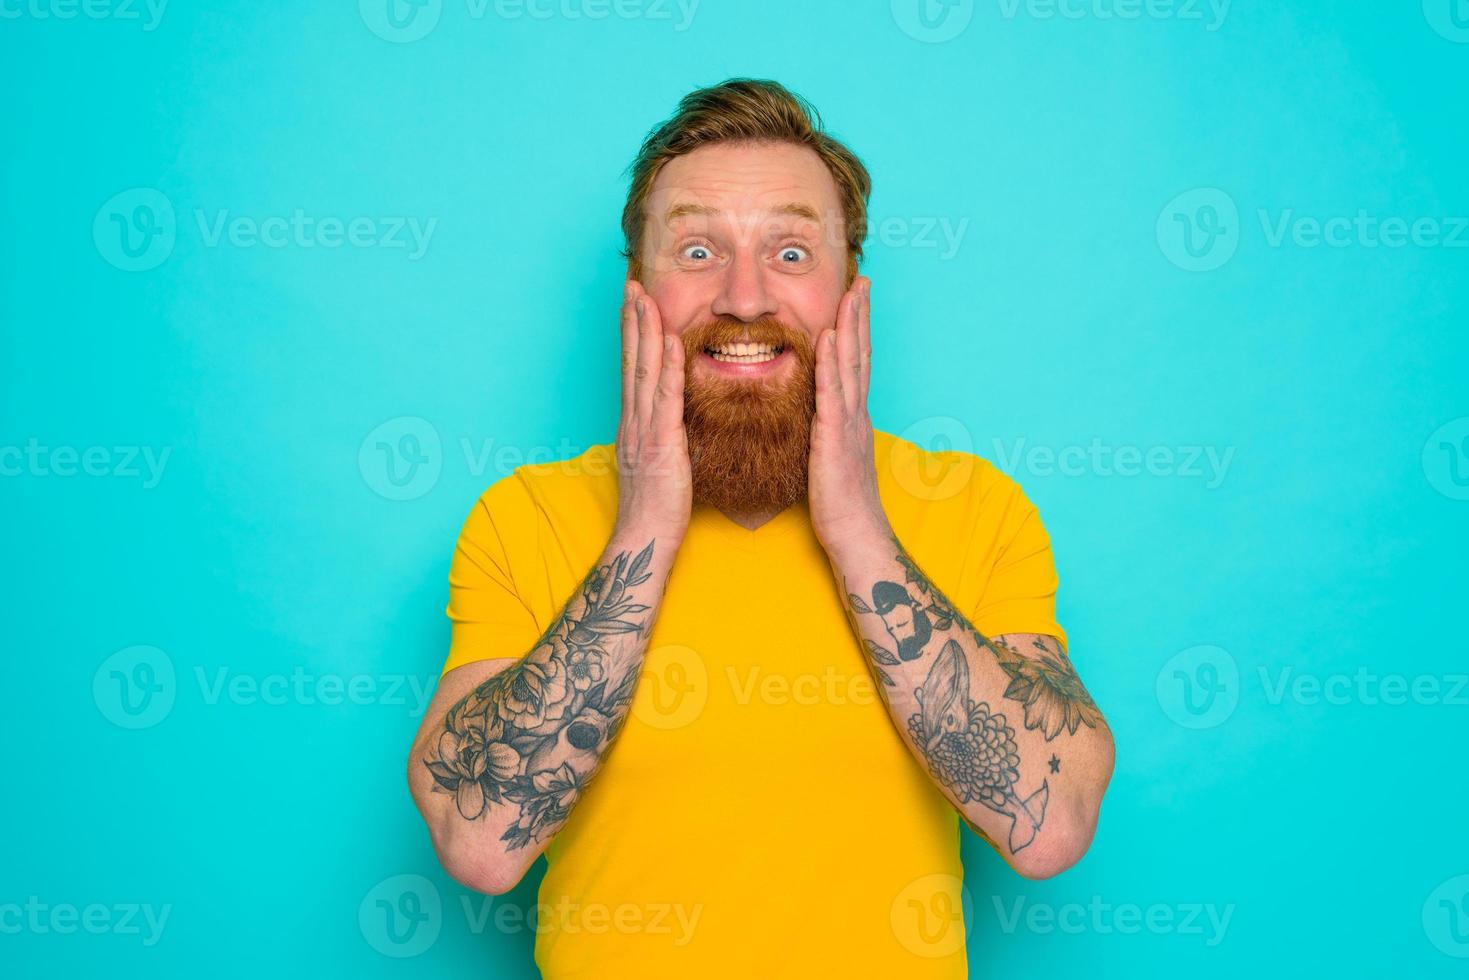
(692, 737)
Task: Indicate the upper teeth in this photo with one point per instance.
(753, 353)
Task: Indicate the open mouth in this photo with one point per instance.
(744, 353)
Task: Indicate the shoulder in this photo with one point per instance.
(592, 470)
(580, 490)
(590, 473)
(941, 477)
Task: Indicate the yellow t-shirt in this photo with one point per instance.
(758, 815)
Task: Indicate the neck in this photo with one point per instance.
(750, 519)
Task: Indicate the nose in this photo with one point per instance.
(742, 292)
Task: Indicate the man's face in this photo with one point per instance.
(744, 253)
(899, 623)
(744, 232)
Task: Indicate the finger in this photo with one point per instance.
(668, 404)
(864, 340)
(629, 349)
(829, 400)
(847, 355)
(650, 355)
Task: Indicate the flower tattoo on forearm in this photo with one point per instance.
(532, 735)
(969, 747)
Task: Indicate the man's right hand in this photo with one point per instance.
(655, 484)
(478, 738)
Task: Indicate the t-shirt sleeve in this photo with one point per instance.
(489, 619)
(1020, 594)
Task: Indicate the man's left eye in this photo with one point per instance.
(792, 253)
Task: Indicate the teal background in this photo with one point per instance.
(1332, 543)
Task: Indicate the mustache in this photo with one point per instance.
(766, 330)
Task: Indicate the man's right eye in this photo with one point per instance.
(697, 252)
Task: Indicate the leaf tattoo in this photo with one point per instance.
(533, 734)
(1048, 687)
(1046, 684)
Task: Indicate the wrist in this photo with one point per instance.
(635, 534)
(857, 539)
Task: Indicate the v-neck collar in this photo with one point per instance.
(794, 520)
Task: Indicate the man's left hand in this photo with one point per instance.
(846, 512)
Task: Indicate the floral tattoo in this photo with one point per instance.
(968, 746)
(532, 735)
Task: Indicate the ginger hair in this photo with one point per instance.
(753, 111)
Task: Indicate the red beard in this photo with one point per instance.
(749, 439)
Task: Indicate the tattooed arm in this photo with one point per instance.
(1002, 724)
(507, 747)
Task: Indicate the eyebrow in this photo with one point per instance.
(795, 209)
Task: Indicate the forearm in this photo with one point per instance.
(1008, 734)
(497, 770)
